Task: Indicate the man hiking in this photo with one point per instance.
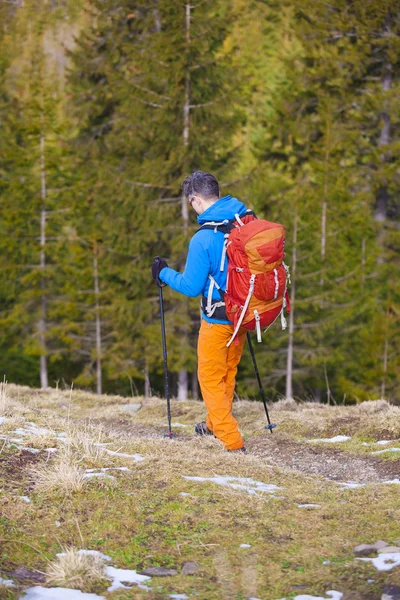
(217, 363)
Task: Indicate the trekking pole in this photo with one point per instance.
(166, 374)
(270, 425)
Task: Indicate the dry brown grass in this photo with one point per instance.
(76, 571)
(9, 407)
(60, 475)
(83, 443)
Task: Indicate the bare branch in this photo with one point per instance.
(153, 104)
(139, 87)
(206, 103)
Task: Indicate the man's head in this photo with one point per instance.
(201, 190)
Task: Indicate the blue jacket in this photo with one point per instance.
(204, 257)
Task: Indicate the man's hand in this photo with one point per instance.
(157, 266)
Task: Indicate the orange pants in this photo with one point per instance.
(217, 368)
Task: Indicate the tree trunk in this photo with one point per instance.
(183, 385)
(385, 364)
(186, 113)
(147, 388)
(98, 321)
(183, 374)
(382, 195)
(363, 251)
(44, 380)
(289, 366)
(325, 204)
(156, 16)
(385, 352)
(195, 386)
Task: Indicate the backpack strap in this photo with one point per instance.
(213, 308)
(244, 308)
(227, 225)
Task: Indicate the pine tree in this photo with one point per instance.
(34, 126)
(153, 108)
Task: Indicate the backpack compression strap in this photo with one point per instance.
(227, 225)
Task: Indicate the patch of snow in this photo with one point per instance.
(386, 450)
(51, 450)
(179, 425)
(179, 596)
(25, 499)
(57, 524)
(3, 420)
(370, 580)
(326, 562)
(126, 575)
(12, 440)
(380, 443)
(118, 576)
(184, 494)
(384, 562)
(308, 506)
(41, 593)
(33, 429)
(393, 481)
(350, 485)
(6, 582)
(331, 595)
(384, 442)
(137, 457)
(245, 484)
(245, 546)
(336, 439)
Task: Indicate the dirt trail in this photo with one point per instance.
(281, 451)
(331, 463)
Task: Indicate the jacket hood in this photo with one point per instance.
(224, 208)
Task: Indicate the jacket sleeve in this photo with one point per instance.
(194, 278)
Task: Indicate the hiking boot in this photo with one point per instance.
(242, 450)
(202, 429)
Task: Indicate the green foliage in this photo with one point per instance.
(293, 105)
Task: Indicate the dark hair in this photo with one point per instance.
(201, 183)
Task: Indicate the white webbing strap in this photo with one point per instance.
(276, 284)
(287, 270)
(284, 303)
(258, 325)
(224, 249)
(214, 308)
(239, 220)
(244, 309)
(210, 306)
(215, 224)
(209, 295)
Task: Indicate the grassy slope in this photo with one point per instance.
(141, 520)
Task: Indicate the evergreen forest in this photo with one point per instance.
(106, 105)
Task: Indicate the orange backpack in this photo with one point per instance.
(256, 287)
